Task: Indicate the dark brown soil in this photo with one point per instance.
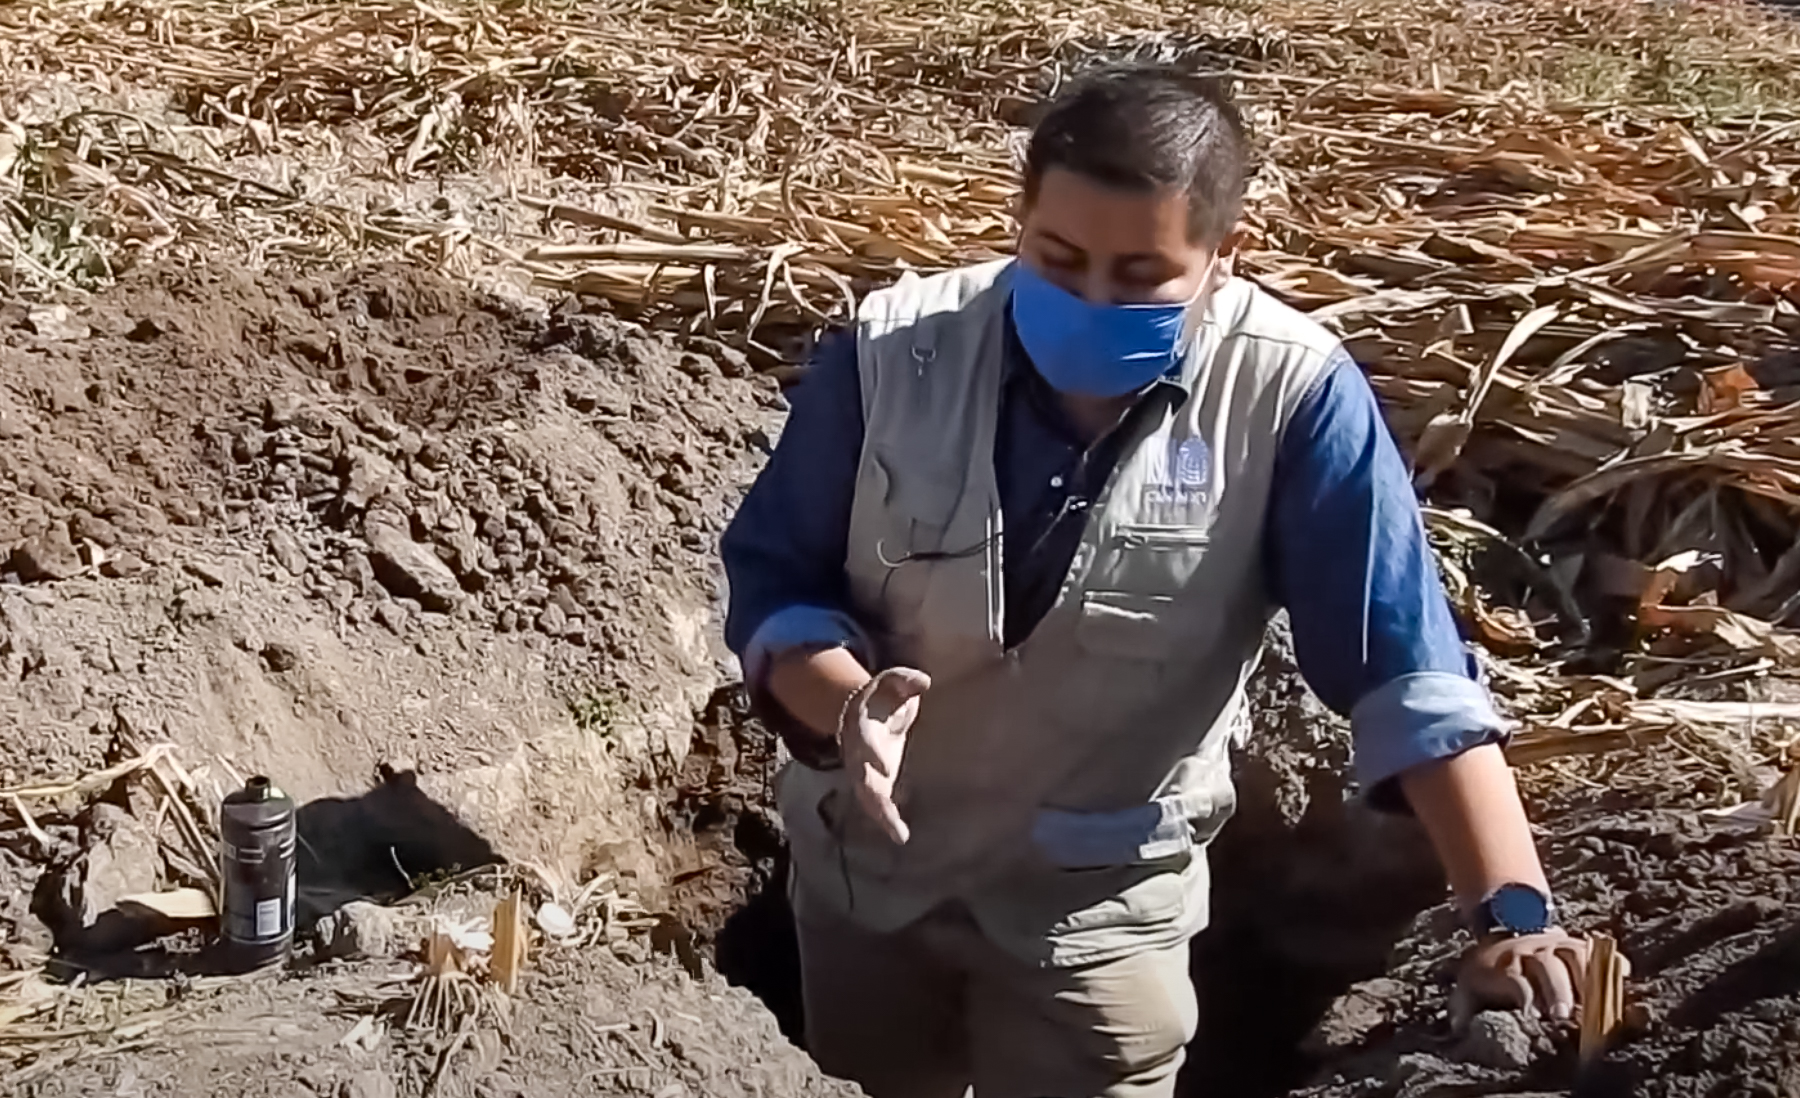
(1707, 912)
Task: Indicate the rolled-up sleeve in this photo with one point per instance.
(784, 549)
(1348, 557)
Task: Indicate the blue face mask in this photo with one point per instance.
(1096, 350)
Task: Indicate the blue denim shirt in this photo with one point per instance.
(1347, 555)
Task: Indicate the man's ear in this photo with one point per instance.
(1227, 254)
(1021, 209)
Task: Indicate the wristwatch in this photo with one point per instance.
(1513, 911)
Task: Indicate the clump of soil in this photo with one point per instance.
(1708, 913)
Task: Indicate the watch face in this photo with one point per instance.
(1520, 910)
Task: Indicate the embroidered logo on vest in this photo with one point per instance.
(1181, 475)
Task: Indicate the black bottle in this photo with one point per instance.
(257, 863)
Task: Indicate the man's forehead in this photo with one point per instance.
(1088, 215)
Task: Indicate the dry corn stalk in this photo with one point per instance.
(1786, 796)
(1603, 997)
(447, 992)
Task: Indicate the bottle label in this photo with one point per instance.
(269, 917)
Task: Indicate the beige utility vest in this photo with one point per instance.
(1064, 790)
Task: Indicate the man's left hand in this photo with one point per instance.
(1546, 970)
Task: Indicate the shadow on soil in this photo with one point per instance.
(380, 845)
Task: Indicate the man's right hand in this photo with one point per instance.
(872, 735)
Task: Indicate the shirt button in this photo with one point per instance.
(1056, 482)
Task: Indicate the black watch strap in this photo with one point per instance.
(810, 749)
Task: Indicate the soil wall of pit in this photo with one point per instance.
(368, 529)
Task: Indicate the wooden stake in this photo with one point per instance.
(510, 943)
(1603, 998)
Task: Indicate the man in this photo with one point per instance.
(999, 590)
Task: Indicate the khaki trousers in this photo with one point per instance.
(931, 1010)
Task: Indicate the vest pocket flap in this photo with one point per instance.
(1141, 535)
(1114, 623)
(917, 490)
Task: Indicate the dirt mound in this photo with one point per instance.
(405, 456)
(439, 561)
(1707, 911)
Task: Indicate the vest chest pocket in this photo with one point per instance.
(918, 501)
(906, 539)
(1123, 643)
(1118, 625)
(1157, 559)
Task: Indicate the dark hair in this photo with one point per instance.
(1147, 128)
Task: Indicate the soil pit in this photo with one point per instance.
(1311, 890)
(1325, 973)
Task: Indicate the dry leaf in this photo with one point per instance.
(181, 904)
(1744, 634)
(1724, 388)
(1663, 578)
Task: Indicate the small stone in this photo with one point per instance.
(280, 657)
(565, 601)
(84, 526)
(124, 860)
(286, 550)
(48, 557)
(553, 621)
(375, 419)
(432, 454)
(207, 572)
(730, 361)
(56, 322)
(343, 593)
(394, 616)
(411, 570)
(371, 476)
(1496, 1039)
(364, 930)
(368, 1084)
(361, 573)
